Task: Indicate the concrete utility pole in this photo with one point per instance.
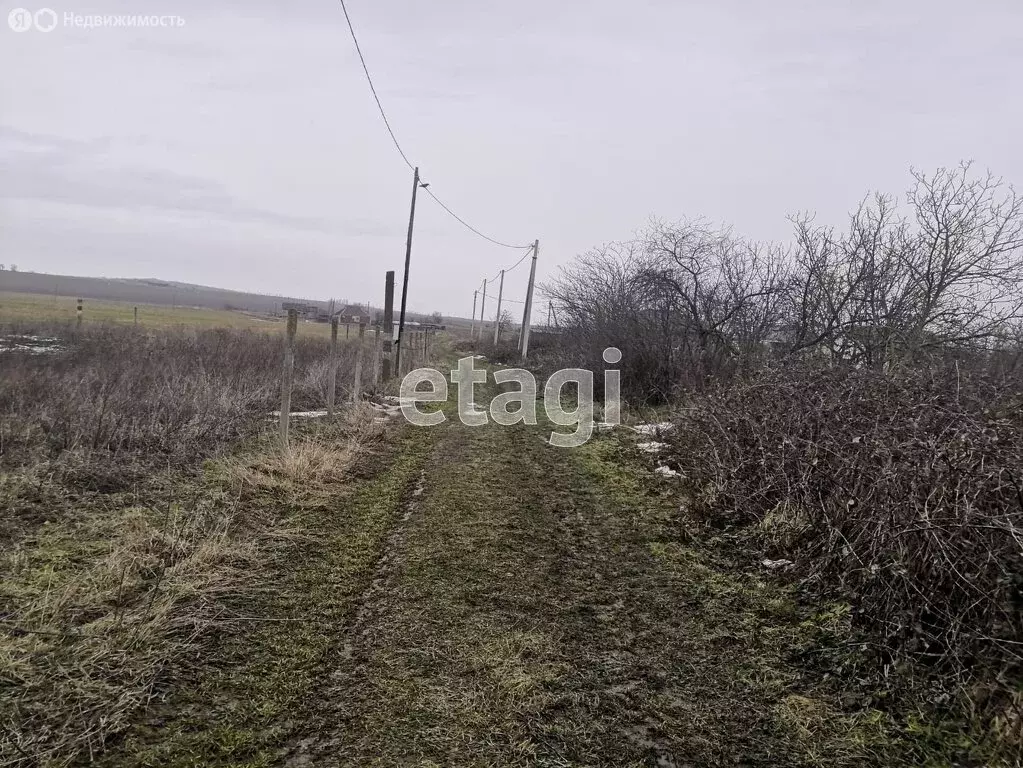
(497, 317)
(483, 308)
(408, 259)
(528, 310)
(388, 324)
(472, 328)
(376, 355)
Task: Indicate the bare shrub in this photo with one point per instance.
(902, 495)
(174, 395)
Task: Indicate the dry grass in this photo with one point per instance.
(132, 519)
(315, 459)
(96, 611)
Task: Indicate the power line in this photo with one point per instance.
(470, 227)
(397, 146)
(513, 266)
(372, 87)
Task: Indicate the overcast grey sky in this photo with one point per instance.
(244, 150)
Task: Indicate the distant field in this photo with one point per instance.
(28, 307)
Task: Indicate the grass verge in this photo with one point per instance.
(103, 604)
(238, 704)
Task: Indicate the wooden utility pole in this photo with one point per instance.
(288, 375)
(332, 374)
(388, 324)
(357, 386)
(528, 310)
(497, 317)
(408, 260)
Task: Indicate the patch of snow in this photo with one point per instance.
(302, 414)
(775, 564)
(34, 345)
(654, 429)
(652, 447)
(667, 471)
(603, 426)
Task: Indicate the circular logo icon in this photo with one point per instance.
(19, 20)
(45, 19)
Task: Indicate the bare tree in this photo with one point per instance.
(941, 274)
(893, 288)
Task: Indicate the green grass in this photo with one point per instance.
(29, 308)
(238, 707)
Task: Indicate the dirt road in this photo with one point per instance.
(481, 598)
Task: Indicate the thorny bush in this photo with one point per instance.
(900, 494)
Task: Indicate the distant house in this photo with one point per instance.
(354, 313)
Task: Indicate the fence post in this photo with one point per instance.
(136, 315)
(357, 386)
(376, 356)
(78, 314)
(388, 325)
(332, 375)
(288, 376)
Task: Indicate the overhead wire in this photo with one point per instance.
(387, 123)
(509, 269)
(369, 79)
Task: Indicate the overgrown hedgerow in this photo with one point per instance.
(900, 493)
